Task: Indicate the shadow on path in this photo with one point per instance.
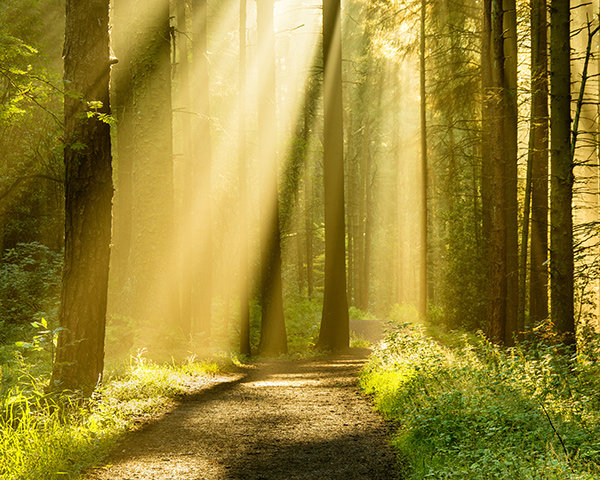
(280, 420)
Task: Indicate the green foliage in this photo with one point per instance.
(56, 437)
(475, 411)
(303, 319)
(30, 276)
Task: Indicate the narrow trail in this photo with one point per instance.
(281, 420)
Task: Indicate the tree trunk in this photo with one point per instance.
(273, 339)
(538, 282)
(334, 333)
(122, 107)
(423, 282)
(496, 321)
(561, 224)
(154, 281)
(80, 355)
(186, 218)
(511, 156)
(202, 175)
(243, 200)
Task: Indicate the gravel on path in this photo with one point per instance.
(280, 420)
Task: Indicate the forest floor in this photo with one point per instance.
(274, 420)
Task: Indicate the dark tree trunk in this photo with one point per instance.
(243, 182)
(538, 286)
(334, 333)
(511, 156)
(122, 107)
(273, 340)
(154, 285)
(423, 277)
(80, 355)
(186, 217)
(496, 309)
(561, 224)
(202, 175)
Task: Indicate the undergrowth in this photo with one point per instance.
(474, 411)
(49, 437)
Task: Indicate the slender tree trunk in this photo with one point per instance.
(243, 188)
(202, 174)
(423, 289)
(538, 282)
(497, 243)
(186, 218)
(80, 355)
(525, 239)
(561, 224)
(511, 156)
(155, 293)
(335, 330)
(308, 227)
(273, 334)
(122, 107)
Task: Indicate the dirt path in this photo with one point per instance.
(281, 420)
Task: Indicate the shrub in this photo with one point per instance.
(30, 279)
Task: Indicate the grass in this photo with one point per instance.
(474, 411)
(57, 437)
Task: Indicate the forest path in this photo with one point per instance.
(280, 420)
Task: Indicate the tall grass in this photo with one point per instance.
(51, 437)
(474, 411)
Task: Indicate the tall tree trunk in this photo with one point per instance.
(308, 226)
(335, 330)
(155, 293)
(186, 218)
(201, 174)
(243, 189)
(273, 339)
(423, 282)
(496, 308)
(538, 282)
(122, 107)
(511, 156)
(561, 224)
(80, 355)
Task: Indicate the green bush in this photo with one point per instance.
(478, 412)
(30, 279)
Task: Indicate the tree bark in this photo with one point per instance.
(511, 157)
(273, 340)
(496, 308)
(154, 283)
(561, 215)
(538, 282)
(423, 277)
(186, 218)
(202, 175)
(80, 355)
(334, 333)
(243, 199)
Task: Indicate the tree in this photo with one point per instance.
(511, 157)
(334, 332)
(495, 95)
(243, 193)
(561, 216)
(202, 221)
(187, 233)
(154, 285)
(80, 355)
(423, 281)
(538, 286)
(272, 334)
